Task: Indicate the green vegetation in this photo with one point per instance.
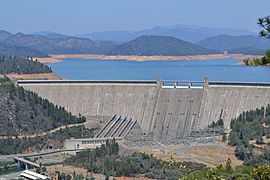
(265, 60)
(51, 141)
(24, 112)
(106, 160)
(22, 66)
(8, 167)
(249, 133)
(159, 46)
(218, 124)
(265, 24)
(261, 172)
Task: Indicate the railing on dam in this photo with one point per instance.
(86, 82)
(162, 83)
(255, 84)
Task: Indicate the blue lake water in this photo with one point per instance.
(215, 70)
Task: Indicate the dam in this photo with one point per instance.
(164, 110)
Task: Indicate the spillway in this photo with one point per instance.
(162, 111)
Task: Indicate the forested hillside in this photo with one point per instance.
(251, 136)
(53, 45)
(11, 50)
(23, 112)
(21, 65)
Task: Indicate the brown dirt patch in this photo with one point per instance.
(48, 60)
(209, 154)
(46, 76)
(150, 58)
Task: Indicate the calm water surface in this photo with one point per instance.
(215, 70)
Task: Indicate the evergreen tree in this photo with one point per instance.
(265, 24)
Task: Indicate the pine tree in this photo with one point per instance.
(265, 24)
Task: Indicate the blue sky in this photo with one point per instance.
(83, 16)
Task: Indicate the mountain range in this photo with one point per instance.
(185, 32)
(166, 40)
(52, 43)
(237, 44)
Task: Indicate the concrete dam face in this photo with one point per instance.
(163, 111)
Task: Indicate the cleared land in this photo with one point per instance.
(210, 154)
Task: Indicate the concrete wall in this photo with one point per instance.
(163, 113)
(229, 101)
(102, 99)
(175, 112)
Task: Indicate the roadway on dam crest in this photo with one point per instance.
(163, 112)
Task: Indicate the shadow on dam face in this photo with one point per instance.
(164, 109)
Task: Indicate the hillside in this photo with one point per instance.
(22, 66)
(250, 134)
(227, 42)
(11, 50)
(4, 35)
(159, 46)
(56, 44)
(23, 112)
(247, 51)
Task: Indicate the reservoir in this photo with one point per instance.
(195, 70)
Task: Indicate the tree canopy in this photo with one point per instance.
(265, 24)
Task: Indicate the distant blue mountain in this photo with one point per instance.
(4, 35)
(51, 35)
(236, 44)
(185, 32)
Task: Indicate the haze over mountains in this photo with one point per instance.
(185, 32)
(234, 43)
(166, 40)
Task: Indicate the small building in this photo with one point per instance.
(74, 145)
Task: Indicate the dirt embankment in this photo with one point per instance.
(45, 76)
(58, 57)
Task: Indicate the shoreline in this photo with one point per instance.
(48, 60)
(56, 58)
